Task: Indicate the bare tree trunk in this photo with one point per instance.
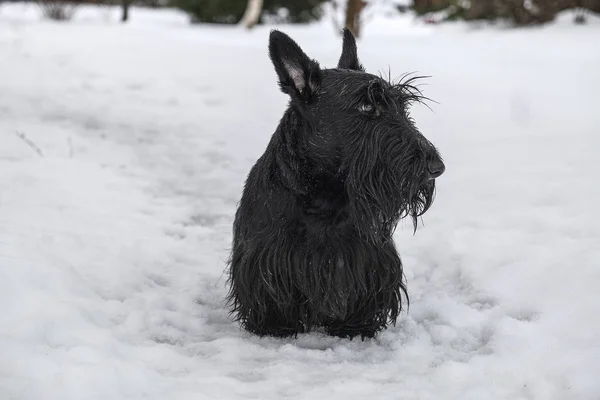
(252, 14)
(353, 9)
(125, 4)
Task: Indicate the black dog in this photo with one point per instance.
(312, 240)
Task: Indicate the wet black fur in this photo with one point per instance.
(312, 239)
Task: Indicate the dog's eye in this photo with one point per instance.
(367, 108)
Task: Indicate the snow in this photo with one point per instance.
(113, 242)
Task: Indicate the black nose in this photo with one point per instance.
(435, 168)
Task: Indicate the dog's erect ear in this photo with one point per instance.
(349, 58)
(298, 75)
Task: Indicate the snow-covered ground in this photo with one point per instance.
(113, 242)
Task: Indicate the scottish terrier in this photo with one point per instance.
(312, 236)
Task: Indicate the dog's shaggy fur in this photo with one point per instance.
(312, 240)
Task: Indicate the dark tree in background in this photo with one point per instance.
(125, 4)
(581, 7)
(212, 11)
(425, 6)
(519, 12)
(232, 11)
(294, 11)
(251, 12)
(57, 10)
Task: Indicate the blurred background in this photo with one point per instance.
(353, 12)
(127, 130)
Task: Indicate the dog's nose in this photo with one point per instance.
(435, 168)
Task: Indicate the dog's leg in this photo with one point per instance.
(273, 321)
(378, 303)
(350, 329)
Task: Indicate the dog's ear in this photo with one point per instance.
(349, 57)
(299, 76)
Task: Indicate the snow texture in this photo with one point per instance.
(113, 241)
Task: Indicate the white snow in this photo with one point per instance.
(113, 243)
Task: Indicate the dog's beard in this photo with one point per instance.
(382, 194)
(419, 201)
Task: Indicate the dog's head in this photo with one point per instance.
(356, 126)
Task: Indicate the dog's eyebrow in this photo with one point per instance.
(379, 91)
